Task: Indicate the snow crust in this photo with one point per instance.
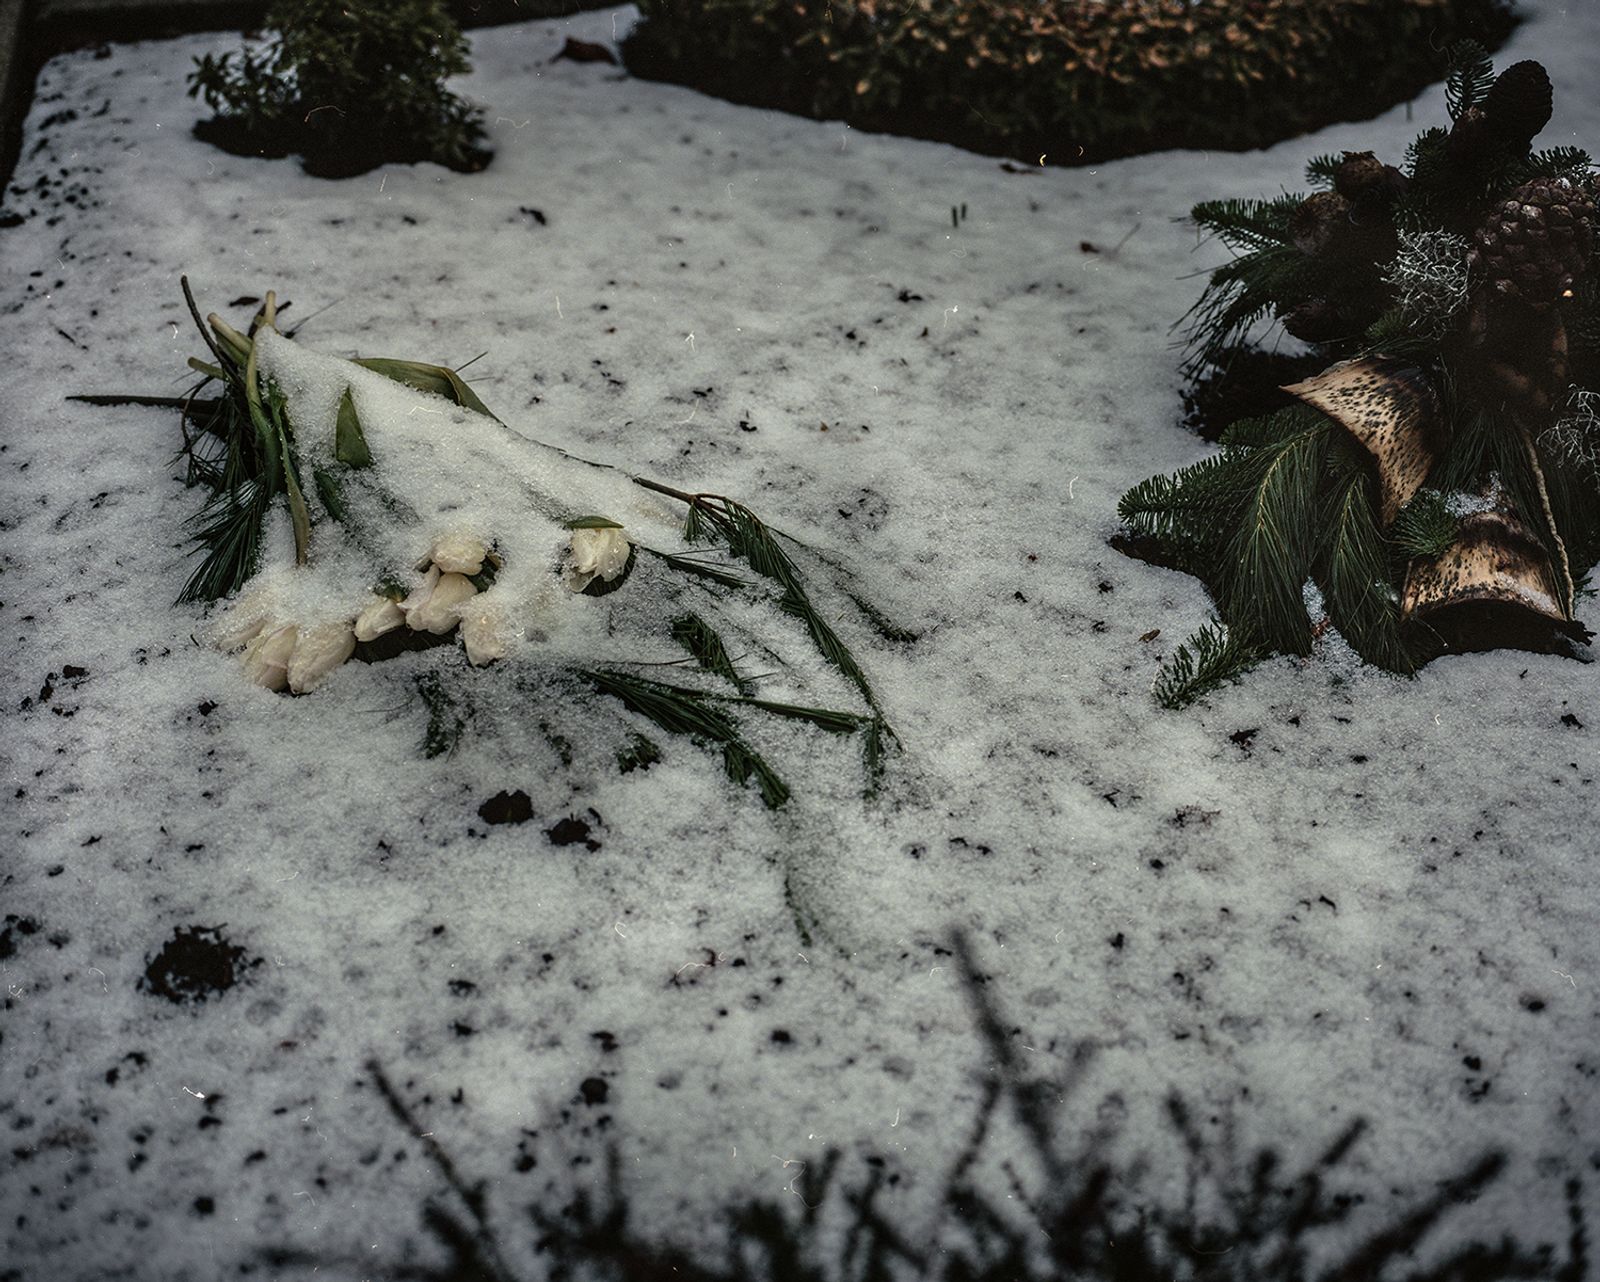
(1324, 893)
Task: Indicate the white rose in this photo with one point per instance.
(458, 554)
(266, 658)
(317, 652)
(434, 607)
(382, 615)
(595, 554)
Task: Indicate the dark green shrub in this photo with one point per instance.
(1074, 81)
(347, 86)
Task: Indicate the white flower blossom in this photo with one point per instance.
(483, 633)
(595, 554)
(458, 554)
(243, 620)
(266, 658)
(382, 615)
(434, 607)
(317, 652)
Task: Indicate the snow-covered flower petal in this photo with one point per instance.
(242, 621)
(458, 554)
(317, 652)
(382, 615)
(483, 632)
(434, 607)
(266, 658)
(596, 553)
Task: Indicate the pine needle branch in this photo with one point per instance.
(700, 639)
(1212, 657)
(748, 537)
(1354, 574)
(681, 710)
(1269, 556)
(1469, 77)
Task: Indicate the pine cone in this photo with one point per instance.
(1326, 225)
(1472, 139)
(1364, 180)
(1519, 103)
(1316, 320)
(1535, 244)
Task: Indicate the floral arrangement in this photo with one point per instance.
(371, 508)
(1435, 487)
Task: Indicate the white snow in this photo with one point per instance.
(1336, 893)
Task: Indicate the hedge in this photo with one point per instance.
(1072, 81)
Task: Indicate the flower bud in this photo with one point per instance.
(483, 633)
(458, 554)
(433, 607)
(601, 553)
(266, 659)
(242, 621)
(317, 652)
(382, 615)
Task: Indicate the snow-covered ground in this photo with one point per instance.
(1321, 894)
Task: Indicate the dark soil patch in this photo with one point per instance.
(15, 929)
(571, 831)
(507, 808)
(196, 964)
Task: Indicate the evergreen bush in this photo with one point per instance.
(1072, 81)
(346, 85)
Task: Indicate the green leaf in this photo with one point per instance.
(437, 379)
(330, 492)
(594, 523)
(349, 441)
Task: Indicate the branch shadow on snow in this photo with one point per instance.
(1079, 1218)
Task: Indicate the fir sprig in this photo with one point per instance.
(1212, 657)
(1425, 527)
(1467, 81)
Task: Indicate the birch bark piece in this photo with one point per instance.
(1392, 410)
(1495, 561)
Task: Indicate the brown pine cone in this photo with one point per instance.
(1472, 138)
(1535, 244)
(1326, 225)
(1519, 103)
(1316, 320)
(1365, 180)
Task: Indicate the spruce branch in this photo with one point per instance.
(1269, 556)
(1425, 527)
(1353, 571)
(1470, 74)
(1212, 657)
